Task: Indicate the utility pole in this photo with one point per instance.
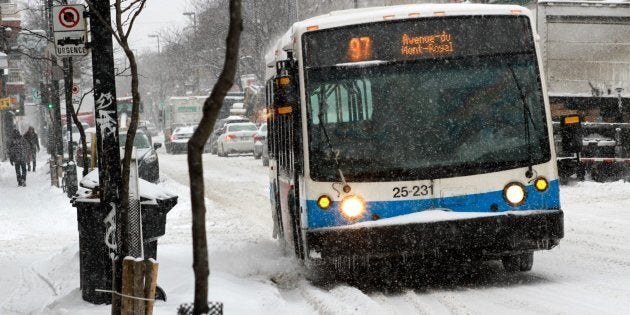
(57, 151)
(106, 113)
(71, 169)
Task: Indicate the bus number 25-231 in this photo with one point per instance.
(415, 191)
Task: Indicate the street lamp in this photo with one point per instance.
(158, 40)
(194, 15)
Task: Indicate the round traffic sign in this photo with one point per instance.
(75, 89)
(69, 17)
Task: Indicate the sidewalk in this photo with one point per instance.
(39, 230)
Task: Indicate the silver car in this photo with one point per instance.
(259, 141)
(236, 138)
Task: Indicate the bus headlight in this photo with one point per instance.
(514, 194)
(541, 184)
(352, 207)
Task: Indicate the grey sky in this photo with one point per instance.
(158, 16)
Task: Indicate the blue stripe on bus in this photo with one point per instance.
(550, 199)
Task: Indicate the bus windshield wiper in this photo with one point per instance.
(527, 117)
(335, 156)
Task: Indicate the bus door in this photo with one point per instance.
(287, 149)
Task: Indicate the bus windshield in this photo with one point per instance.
(426, 118)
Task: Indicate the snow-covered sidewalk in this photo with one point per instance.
(588, 273)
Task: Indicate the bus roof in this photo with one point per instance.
(401, 12)
(377, 14)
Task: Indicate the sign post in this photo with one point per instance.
(70, 30)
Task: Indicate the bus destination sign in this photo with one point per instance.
(417, 39)
(413, 45)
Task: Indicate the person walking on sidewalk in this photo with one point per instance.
(33, 145)
(18, 151)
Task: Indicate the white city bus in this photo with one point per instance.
(418, 131)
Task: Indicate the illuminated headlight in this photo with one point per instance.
(514, 194)
(352, 207)
(541, 184)
(324, 202)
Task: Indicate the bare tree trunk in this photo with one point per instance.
(76, 121)
(211, 108)
(131, 135)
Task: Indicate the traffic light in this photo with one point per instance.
(50, 106)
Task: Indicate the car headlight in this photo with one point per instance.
(352, 207)
(514, 194)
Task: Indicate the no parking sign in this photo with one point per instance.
(70, 30)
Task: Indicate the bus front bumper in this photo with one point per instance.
(485, 237)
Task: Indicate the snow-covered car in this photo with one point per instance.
(148, 163)
(219, 128)
(237, 138)
(259, 141)
(179, 139)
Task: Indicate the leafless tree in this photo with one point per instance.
(211, 108)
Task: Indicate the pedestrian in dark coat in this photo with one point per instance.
(18, 152)
(33, 144)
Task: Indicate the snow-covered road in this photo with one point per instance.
(589, 273)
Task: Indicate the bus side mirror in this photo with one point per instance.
(571, 133)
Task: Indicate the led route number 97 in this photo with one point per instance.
(413, 191)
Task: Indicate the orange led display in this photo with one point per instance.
(414, 45)
(360, 49)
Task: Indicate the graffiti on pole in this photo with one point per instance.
(110, 232)
(106, 117)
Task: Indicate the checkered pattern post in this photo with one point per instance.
(215, 308)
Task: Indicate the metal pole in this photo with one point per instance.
(107, 131)
(71, 167)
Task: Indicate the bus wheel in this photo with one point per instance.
(518, 262)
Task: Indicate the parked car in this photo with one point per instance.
(219, 128)
(265, 152)
(237, 138)
(179, 139)
(259, 141)
(148, 163)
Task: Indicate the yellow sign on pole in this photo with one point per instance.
(5, 103)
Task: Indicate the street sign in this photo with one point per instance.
(5, 103)
(69, 18)
(70, 30)
(76, 94)
(37, 94)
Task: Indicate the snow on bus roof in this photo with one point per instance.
(410, 11)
